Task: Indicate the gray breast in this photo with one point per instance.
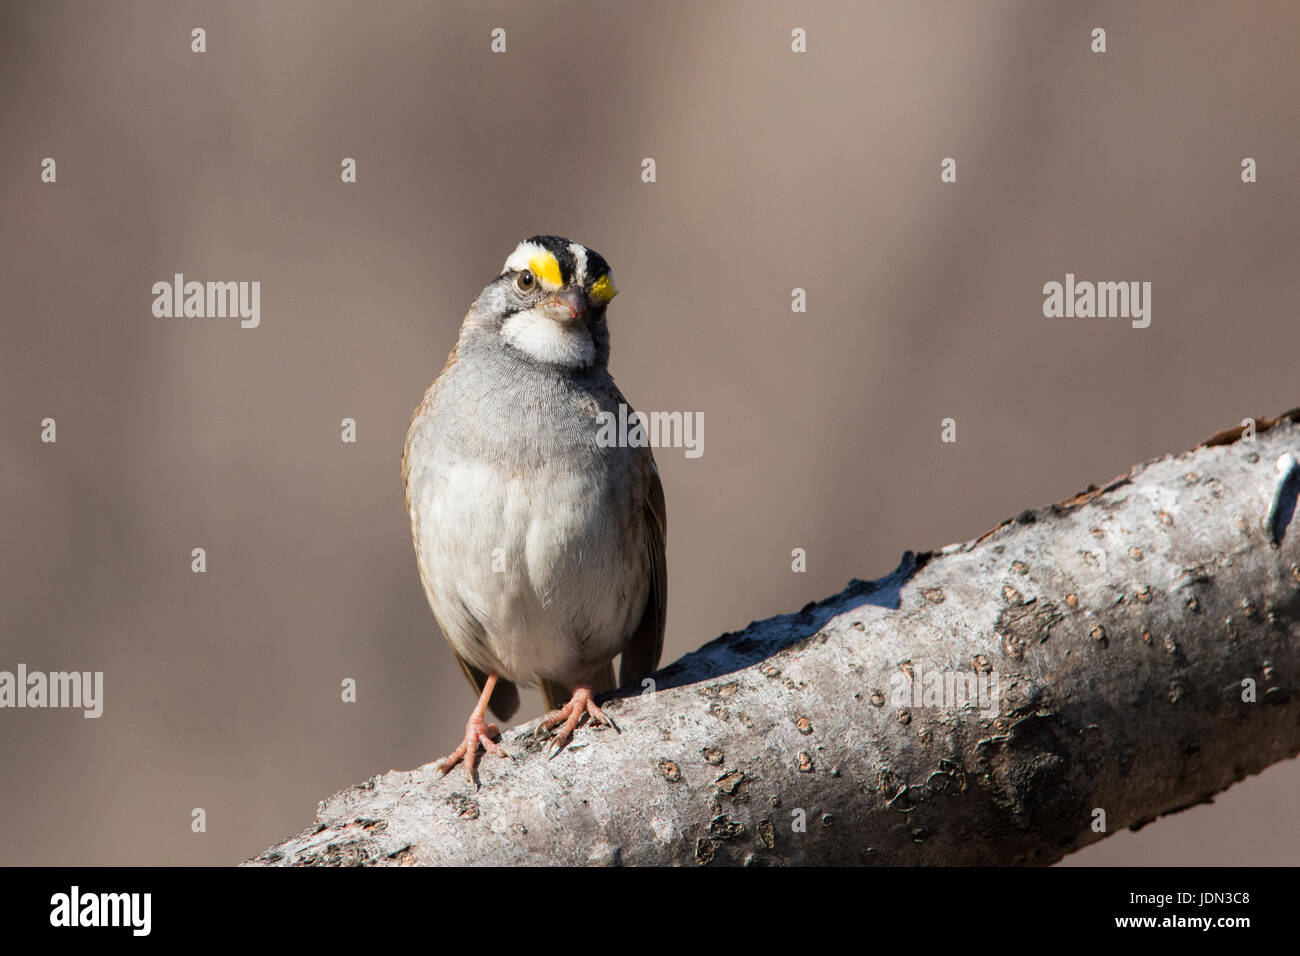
(527, 531)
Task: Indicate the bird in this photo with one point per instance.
(540, 544)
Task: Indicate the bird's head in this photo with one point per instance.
(549, 303)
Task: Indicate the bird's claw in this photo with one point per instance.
(580, 704)
(477, 734)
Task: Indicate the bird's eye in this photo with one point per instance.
(525, 281)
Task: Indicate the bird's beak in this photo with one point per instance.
(568, 307)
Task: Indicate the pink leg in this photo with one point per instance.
(477, 733)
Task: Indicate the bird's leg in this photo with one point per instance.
(580, 703)
(477, 733)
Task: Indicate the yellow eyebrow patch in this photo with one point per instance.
(547, 268)
(603, 288)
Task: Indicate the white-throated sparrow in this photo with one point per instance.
(541, 548)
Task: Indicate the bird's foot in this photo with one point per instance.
(570, 714)
(477, 734)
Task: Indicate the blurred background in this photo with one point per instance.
(775, 170)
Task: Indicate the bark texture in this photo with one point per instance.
(1121, 632)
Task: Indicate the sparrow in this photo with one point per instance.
(540, 545)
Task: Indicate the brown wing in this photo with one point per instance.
(505, 696)
(641, 655)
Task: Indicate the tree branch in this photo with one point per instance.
(1119, 632)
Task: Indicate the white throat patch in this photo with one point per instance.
(544, 340)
